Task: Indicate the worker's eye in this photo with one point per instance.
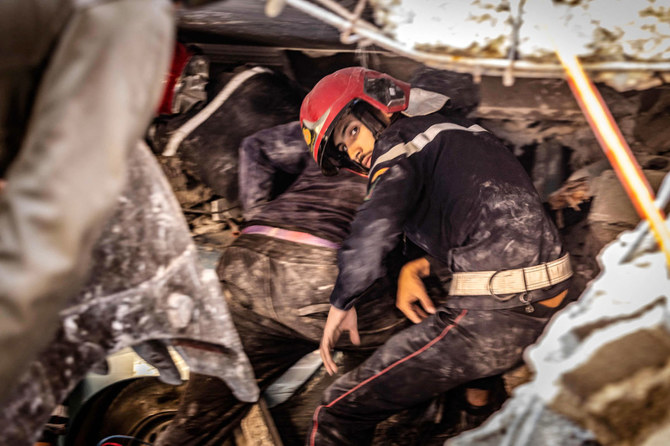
(341, 147)
(353, 131)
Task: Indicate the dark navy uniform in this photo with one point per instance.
(456, 193)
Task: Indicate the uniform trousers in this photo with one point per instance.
(278, 294)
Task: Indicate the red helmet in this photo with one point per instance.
(336, 94)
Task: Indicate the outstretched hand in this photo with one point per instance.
(412, 298)
(338, 321)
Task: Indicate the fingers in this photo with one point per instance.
(426, 303)
(412, 298)
(350, 323)
(419, 293)
(415, 308)
(405, 302)
(331, 333)
(337, 321)
(326, 357)
(419, 311)
(409, 310)
(354, 337)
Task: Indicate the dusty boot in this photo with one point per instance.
(459, 415)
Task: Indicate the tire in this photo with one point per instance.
(141, 409)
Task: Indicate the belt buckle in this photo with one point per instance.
(490, 286)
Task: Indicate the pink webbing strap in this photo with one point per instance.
(292, 236)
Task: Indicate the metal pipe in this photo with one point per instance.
(616, 149)
(485, 66)
(352, 17)
(642, 231)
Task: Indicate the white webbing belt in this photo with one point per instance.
(511, 281)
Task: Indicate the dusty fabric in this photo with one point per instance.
(323, 208)
(289, 283)
(277, 292)
(70, 108)
(146, 284)
(450, 348)
(458, 197)
(457, 193)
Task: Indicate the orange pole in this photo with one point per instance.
(616, 149)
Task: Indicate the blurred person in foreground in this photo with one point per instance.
(79, 83)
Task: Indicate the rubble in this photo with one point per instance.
(198, 150)
(601, 366)
(611, 210)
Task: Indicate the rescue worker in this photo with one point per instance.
(466, 209)
(278, 274)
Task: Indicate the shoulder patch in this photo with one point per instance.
(379, 173)
(373, 182)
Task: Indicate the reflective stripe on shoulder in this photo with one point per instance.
(419, 142)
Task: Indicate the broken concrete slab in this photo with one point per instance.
(527, 99)
(601, 365)
(611, 210)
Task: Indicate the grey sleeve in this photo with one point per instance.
(262, 155)
(95, 99)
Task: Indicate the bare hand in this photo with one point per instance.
(338, 321)
(412, 298)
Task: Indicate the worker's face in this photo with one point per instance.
(352, 137)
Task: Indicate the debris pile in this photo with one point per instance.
(198, 150)
(602, 364)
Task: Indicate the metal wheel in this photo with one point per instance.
(142, 409)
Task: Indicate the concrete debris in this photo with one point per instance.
(571, 194)
(203, 171)
(199, 134)
(528, 99)
(612, 211)
(552, 139)
(525, 421)
(602, 365)
(599, 179)
(653, 118)
(204, 224)
(189, 191)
